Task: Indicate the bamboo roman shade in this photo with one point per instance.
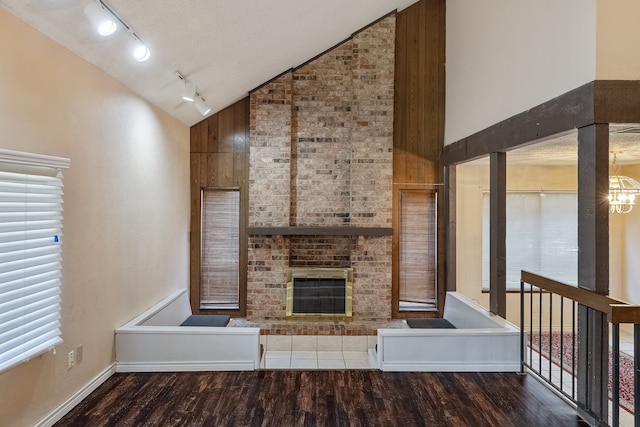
(417, 252)
(219, 266)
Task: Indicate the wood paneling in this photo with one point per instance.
(419, 93)
(226, 130)
(418, 134)
(220, 159)
(210, 132)
(322, 398)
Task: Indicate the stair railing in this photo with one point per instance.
(555, 330)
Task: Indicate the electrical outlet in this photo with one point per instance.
(79, 353)
(71, 359)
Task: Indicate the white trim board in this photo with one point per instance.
(175, 366)
(77, 397)
(32, 159)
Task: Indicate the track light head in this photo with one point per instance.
(203, 108)
(101, 19)
(140, 51)
(189, 91)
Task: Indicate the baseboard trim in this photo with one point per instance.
(77, 397)
(184, 366)
(416, 366)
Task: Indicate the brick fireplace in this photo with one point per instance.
(320, 170)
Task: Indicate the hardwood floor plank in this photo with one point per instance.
(321, 398)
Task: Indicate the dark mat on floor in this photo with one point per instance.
(430, 324)
(206, 320)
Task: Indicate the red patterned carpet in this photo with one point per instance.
(626, 362)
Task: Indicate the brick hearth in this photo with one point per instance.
(322, 327)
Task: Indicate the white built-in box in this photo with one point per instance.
(480, 342)
(155, 342)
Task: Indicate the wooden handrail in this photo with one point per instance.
(624, 313)
(617, 311)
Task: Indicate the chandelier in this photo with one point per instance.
(622, 191)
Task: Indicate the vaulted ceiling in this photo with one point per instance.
(226, 47)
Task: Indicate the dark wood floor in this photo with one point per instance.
(321, 398)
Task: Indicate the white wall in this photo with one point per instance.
(126, 202)
(618, 40)
(506, 56)
(630, 291)
(630, 237)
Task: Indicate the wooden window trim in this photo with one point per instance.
(196, 252)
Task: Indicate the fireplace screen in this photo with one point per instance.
(319, 292)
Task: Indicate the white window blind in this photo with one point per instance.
(542, 236)
(30, 255)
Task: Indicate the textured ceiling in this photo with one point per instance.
(226, 47)
(562, 150)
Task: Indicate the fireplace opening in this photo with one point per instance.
(312, 296)
(319, 292)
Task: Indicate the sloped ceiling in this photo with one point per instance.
(226, 47)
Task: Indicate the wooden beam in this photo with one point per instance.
(441, 224)
(616, 101)
(450, 221)
(195, 232)
(566, 112)
(600, 101)
(498, 231)
(593, 268)
(593, 208)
